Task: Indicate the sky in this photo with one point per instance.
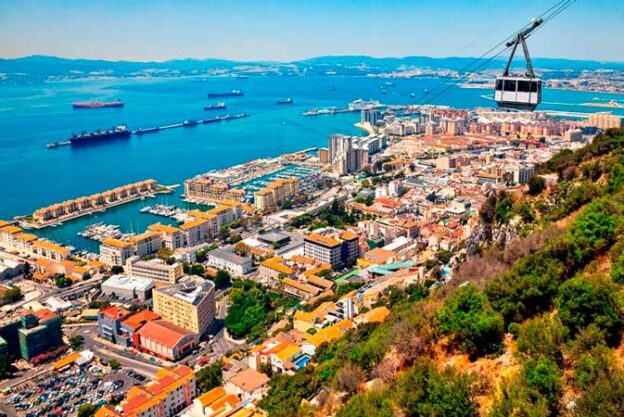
(158, 30)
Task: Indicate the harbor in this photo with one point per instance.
(171, 211)
(101, 231)
(122, 131)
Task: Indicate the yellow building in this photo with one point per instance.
(170, 236)
(146, 243)
(190, 305)
(50, 250)
(115, 251)
(275, 194)
(273, 269)
(171, 392)
(210, 191)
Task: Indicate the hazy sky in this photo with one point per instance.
(145, 30)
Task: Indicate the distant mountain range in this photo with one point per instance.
(45, 66)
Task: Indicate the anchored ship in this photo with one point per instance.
(232, 93)
(217, 106)
(97, 104)
(99, 135)
(285, 101)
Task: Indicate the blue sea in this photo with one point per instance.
(32, 176)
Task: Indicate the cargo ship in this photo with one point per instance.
(100, 135)
(285, 101)
(189, 122)
(232, 93)
(217, 106)
(97, 104)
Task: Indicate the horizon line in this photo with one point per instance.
(268, 61)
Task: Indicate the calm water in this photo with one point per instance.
(33, 176)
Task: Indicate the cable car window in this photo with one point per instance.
(499, 85)
(524, 86)
(535, 86)
(510, 85)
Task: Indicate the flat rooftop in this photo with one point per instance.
(129, 283)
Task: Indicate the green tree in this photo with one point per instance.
(62, 281)
(114, 364)
(222, 279)
(423, 391)
(86, 410)
(470, 322)
(367, 405)
(12, 294)
(76, 342)
(591, 300)
(116, 269)
(605, 398)
(536, 185)
(616, 177)
(235, 238)
(164, 253)
(541, 336)
(209, 377)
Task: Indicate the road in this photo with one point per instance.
(89, 333)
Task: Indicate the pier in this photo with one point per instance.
(186, 123)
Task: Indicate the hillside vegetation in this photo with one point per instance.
(529, 326)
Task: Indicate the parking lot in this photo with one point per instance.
(62, 393)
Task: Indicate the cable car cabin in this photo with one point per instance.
(518, 92)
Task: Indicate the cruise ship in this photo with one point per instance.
(118, 132)
(360, 104)
(232, 93)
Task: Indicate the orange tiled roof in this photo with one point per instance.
(116, 243)
(114, 312)
(322, 240)
(164, 333)
(139, 319)
(249, 380)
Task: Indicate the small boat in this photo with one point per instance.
(412, 95)
(285, 101)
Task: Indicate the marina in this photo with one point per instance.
(176, 213)
(100, 231)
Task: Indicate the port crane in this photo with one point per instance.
(520, 92)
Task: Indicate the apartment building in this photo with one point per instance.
(335, 249)
(276, 193)
(155, 269)
(210, 190)
(115, 251)
(190, 305)
(172, 391)
(170, 236)
(146, 243)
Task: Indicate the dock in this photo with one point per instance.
(186, 123)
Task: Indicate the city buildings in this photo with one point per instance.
(116, 251)
(209, 190)
(146, 243)
(172, 391)
(190, 305)
(348, 154)
(166, 340)
(128, 287)
(605, 120)
(275, 194)
(336, 248)
(31, 333)
(154, 269)
(170, 236)
(74, 208)
(226, 259)
(109, 322)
